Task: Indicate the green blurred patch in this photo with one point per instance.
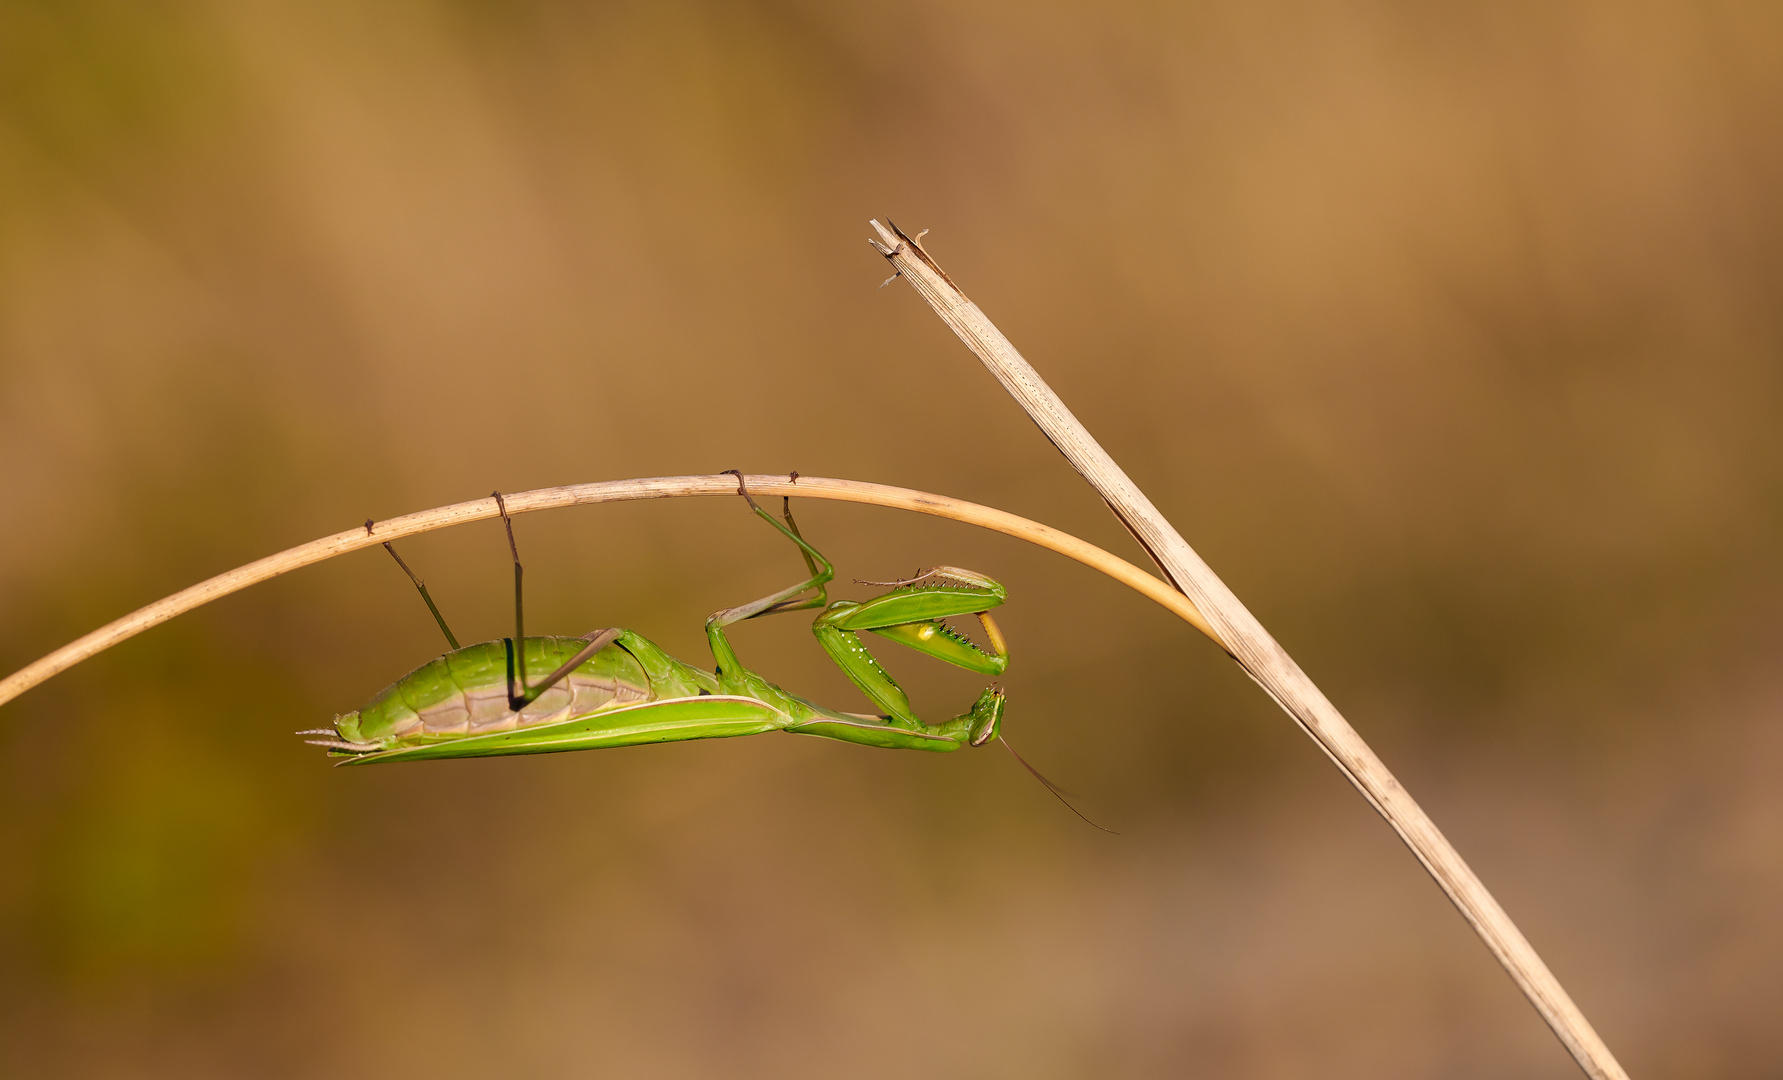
(146, 790)
(148, 869)
(96, 83)
(140, 848)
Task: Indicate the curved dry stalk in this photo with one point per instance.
(1241, 635)
(655, 487)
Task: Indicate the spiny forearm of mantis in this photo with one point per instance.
(655, 487)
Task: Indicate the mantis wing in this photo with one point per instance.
(709, 716)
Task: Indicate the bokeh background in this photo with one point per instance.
(1449, 335)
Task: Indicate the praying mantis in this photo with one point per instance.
(613, 687)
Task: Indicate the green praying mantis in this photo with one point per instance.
(613, 687)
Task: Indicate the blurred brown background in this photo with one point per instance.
(1449, 335)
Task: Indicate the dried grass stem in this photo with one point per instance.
(1241, 635)
(655, 487)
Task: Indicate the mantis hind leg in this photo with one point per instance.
(596, 639)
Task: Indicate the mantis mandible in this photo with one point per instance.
(613, 687)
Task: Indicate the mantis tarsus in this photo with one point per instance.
(536, 695)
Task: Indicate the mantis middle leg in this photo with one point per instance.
(732, 675)
(520, 694)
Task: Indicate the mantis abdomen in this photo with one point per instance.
(465, 692)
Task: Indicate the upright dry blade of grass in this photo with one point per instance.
(1235, 629)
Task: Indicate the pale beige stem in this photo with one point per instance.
(1240, 634)
(656, 487)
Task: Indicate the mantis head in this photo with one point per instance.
(986, 717)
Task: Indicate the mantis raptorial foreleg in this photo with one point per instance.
(911, 615)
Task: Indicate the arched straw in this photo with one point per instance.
(654, 487)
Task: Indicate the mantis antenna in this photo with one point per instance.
(1057, 792)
